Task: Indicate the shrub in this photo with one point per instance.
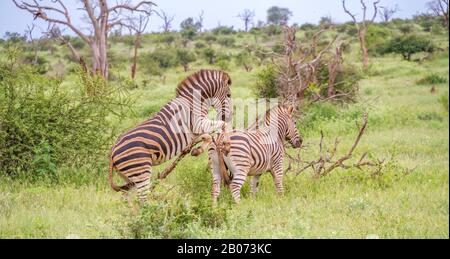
(164, 57)
(244, 59)
(200, 45)
(266, 83)
(167, 38)
(42, 66)
(226, 41)
(170, 219)
(42, 127)
(308, 27)
(408, 45)
(184, 57)
(272, 30)
(432, 79)
(210, 55)
(209, 38)
(223, 30)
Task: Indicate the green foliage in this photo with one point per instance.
(244, 58)
(432, 79)
(226, 41)
(168, 38)
(42, 127)
(185, 57)
(278, 15)
(42, 65)
(408, 45)
(190, 25)
(168, 219)
(272, 29)
(377, 37)
(266, 83)
(210, 55)
(164, 57)
(14, 37)
(189, 34)
(200, 45)
(223, 30)
(308, 27)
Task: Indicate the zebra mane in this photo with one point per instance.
(187, 82)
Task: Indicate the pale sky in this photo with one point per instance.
(224, 12)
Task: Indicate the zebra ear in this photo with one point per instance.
(291, 110)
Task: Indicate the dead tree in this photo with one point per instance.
(386, 13)
(247, 17)
(440, 8)
(297, 67)
(167, 20)
(139, 27)
(33, 42)
(53, 32)
(200, 21)
(362, 27)
(334, 66)
(100, 16)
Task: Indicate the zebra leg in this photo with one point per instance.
(239, 177)
(142, 184)
(254, 185)
(216, 177)
(277, 173)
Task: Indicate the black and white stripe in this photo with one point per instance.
(172, 129)
(253, 152)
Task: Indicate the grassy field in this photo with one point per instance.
(408, 127)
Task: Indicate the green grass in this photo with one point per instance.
(408, 125)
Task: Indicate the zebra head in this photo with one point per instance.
(281, 120)
(292, 134)
(221, 97)
(212, 88)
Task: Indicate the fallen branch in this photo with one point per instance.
(326, 163)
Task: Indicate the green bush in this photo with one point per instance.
(42, 65)
(170, 219)
(184, 57)
(42, 127)
(226, 41)
(266, 82)
(210, 55)
(164, 57)
(223, 30)
(432, 79)
(200, 45)
(408, 45)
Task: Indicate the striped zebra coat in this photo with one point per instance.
(174, 128)
(253, 152)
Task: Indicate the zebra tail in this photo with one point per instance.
(115, 187)
(221, 151)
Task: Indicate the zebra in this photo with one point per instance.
(173, 129)
(252, 152)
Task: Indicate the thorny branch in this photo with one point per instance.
(326, 162)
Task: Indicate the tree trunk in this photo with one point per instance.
(137, 43)
(364, 50)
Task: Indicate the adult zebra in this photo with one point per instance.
(174, 128)
(253, 152)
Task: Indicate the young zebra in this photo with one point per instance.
(171, 130)
(253, 152)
